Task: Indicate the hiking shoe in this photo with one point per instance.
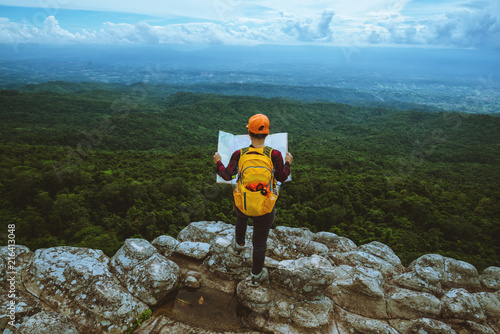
(237, 248)
(257, 279)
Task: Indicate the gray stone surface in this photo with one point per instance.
(423, 325)
(203, 231)
(334, 242)
(355, 324)
(359, 290)
(76, 282)
(307, 277)
(409, 304)
(47, 322)
(460, 304)
(318, 283)
(490, 278)
(194, 249)
(165, 244)
(460, 274)
(149, 276)
(490, 303)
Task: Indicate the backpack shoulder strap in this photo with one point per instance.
(267, 151)
(244, 150)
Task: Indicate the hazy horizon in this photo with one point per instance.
(442, 48)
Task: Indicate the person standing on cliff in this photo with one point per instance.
(256, 192)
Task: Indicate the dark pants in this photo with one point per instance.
(261, 226)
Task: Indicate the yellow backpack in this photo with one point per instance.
(256, 191)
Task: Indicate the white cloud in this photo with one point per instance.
(11, 32)
(281, 29)
(476, 24)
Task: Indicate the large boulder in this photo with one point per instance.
(147, 275)
(284, 233)
(258, 299)
(439, 271)
(282, 309)
(313, 315)
(191, 279)
(297, 247)
(272, 311)
(490, 278)
(355, 324)
(409, 304)
(229, 234)
(318, 283)
(424, 274)
(334, 242)
(383, 252)
(423, 279)
(421, 326)
(490, 303)
(25, 306)
(470, 327)
(460, 274)
(429, 266)
(359, 290)
(304, 278)
(47, 322)
(287, 243)
(203, 231)
(193, 249)
(224, 260)
(133, 252)
(77, 283)
(361, 258)
(165, 244)
(460, 304)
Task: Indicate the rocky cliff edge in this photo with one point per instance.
(318, 283)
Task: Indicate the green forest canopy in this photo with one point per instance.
(94, 167)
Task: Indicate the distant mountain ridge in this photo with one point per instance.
(421, 100)
(292, 92)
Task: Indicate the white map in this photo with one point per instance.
(228, 143)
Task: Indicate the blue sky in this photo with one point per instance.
(423, 23)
